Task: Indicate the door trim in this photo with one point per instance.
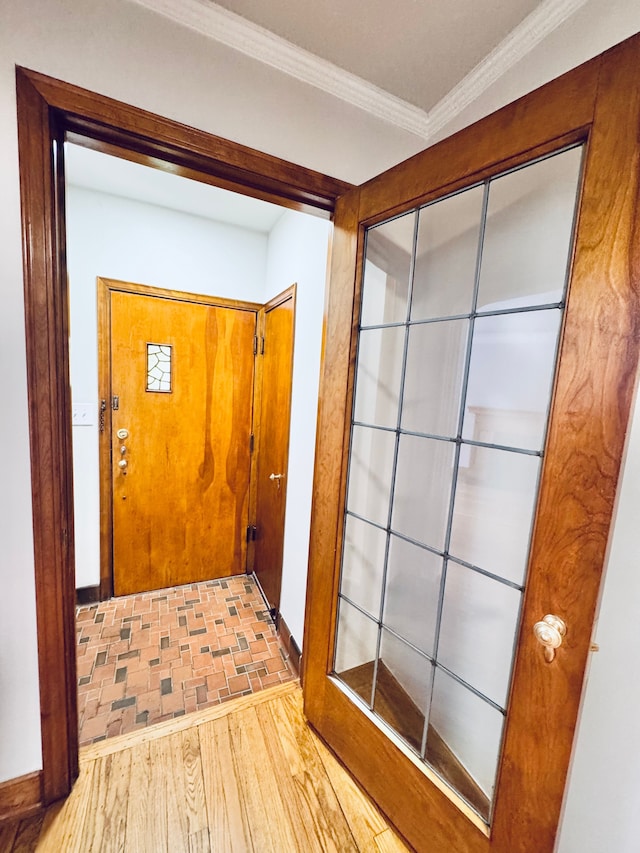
(598, 102)
(48, 111)
(105, 287)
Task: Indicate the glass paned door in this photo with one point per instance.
(462, 306)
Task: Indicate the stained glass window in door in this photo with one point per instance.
(159, 368)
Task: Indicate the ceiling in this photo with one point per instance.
(412, 63)
(417, 50)
(415, 64)
(93, 170)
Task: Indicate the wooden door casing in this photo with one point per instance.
(180, 513)
(277, 324)
(598, 103)
(48, 111)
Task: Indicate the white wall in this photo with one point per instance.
(128, 53)
(298, 253)
(117, 238)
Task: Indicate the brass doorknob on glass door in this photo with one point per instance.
(550, 633)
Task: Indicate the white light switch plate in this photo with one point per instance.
(83, 414)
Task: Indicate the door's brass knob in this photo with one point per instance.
(550, 632)
(276, 478)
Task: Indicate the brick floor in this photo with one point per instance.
(150, 657)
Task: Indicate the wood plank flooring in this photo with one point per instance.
(249, 775)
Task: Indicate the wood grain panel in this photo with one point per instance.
(158, 838)
(105, 287)
(365, 823)
(105, 824)
(8, 832)
(155, 138)
(185, 790)
(397, 708)
(226, 811)
(186, 809)
(180, 512)
(142, 824)
(315, 807)
(388, 842)
(20, 796)
(272, 441)
(27, 836)
(329, 474)
(290, 645)
(200, 842)
(599, 103)
(47, 333)
(267, 810)
(594, 386)
(62, 828)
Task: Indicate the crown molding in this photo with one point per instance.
(213, 21)
(540, 23)
(236, 32)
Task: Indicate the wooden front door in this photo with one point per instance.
(276, 348)
(177, 435)
(465, 475)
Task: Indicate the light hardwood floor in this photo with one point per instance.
(248, 775)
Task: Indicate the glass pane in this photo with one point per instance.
(446, 256)
(403, 687)
(423, 485)
(493, 511)
(387, 270)
(464, 740)
(356, 642)
(433, 378)
(412, 591)
(467, 620)
(363, 564)
(528, 233)
(510, 378)
(370, 468)
(478, 629)
(380, 354)
(159, 367)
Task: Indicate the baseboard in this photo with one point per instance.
(290, 645)
(21, 797)
(88, 594)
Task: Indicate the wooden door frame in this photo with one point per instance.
(280, 299)
(598, 103)
(48, 112)
(105, 287)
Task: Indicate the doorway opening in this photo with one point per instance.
(184, 501)
(51, 112)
